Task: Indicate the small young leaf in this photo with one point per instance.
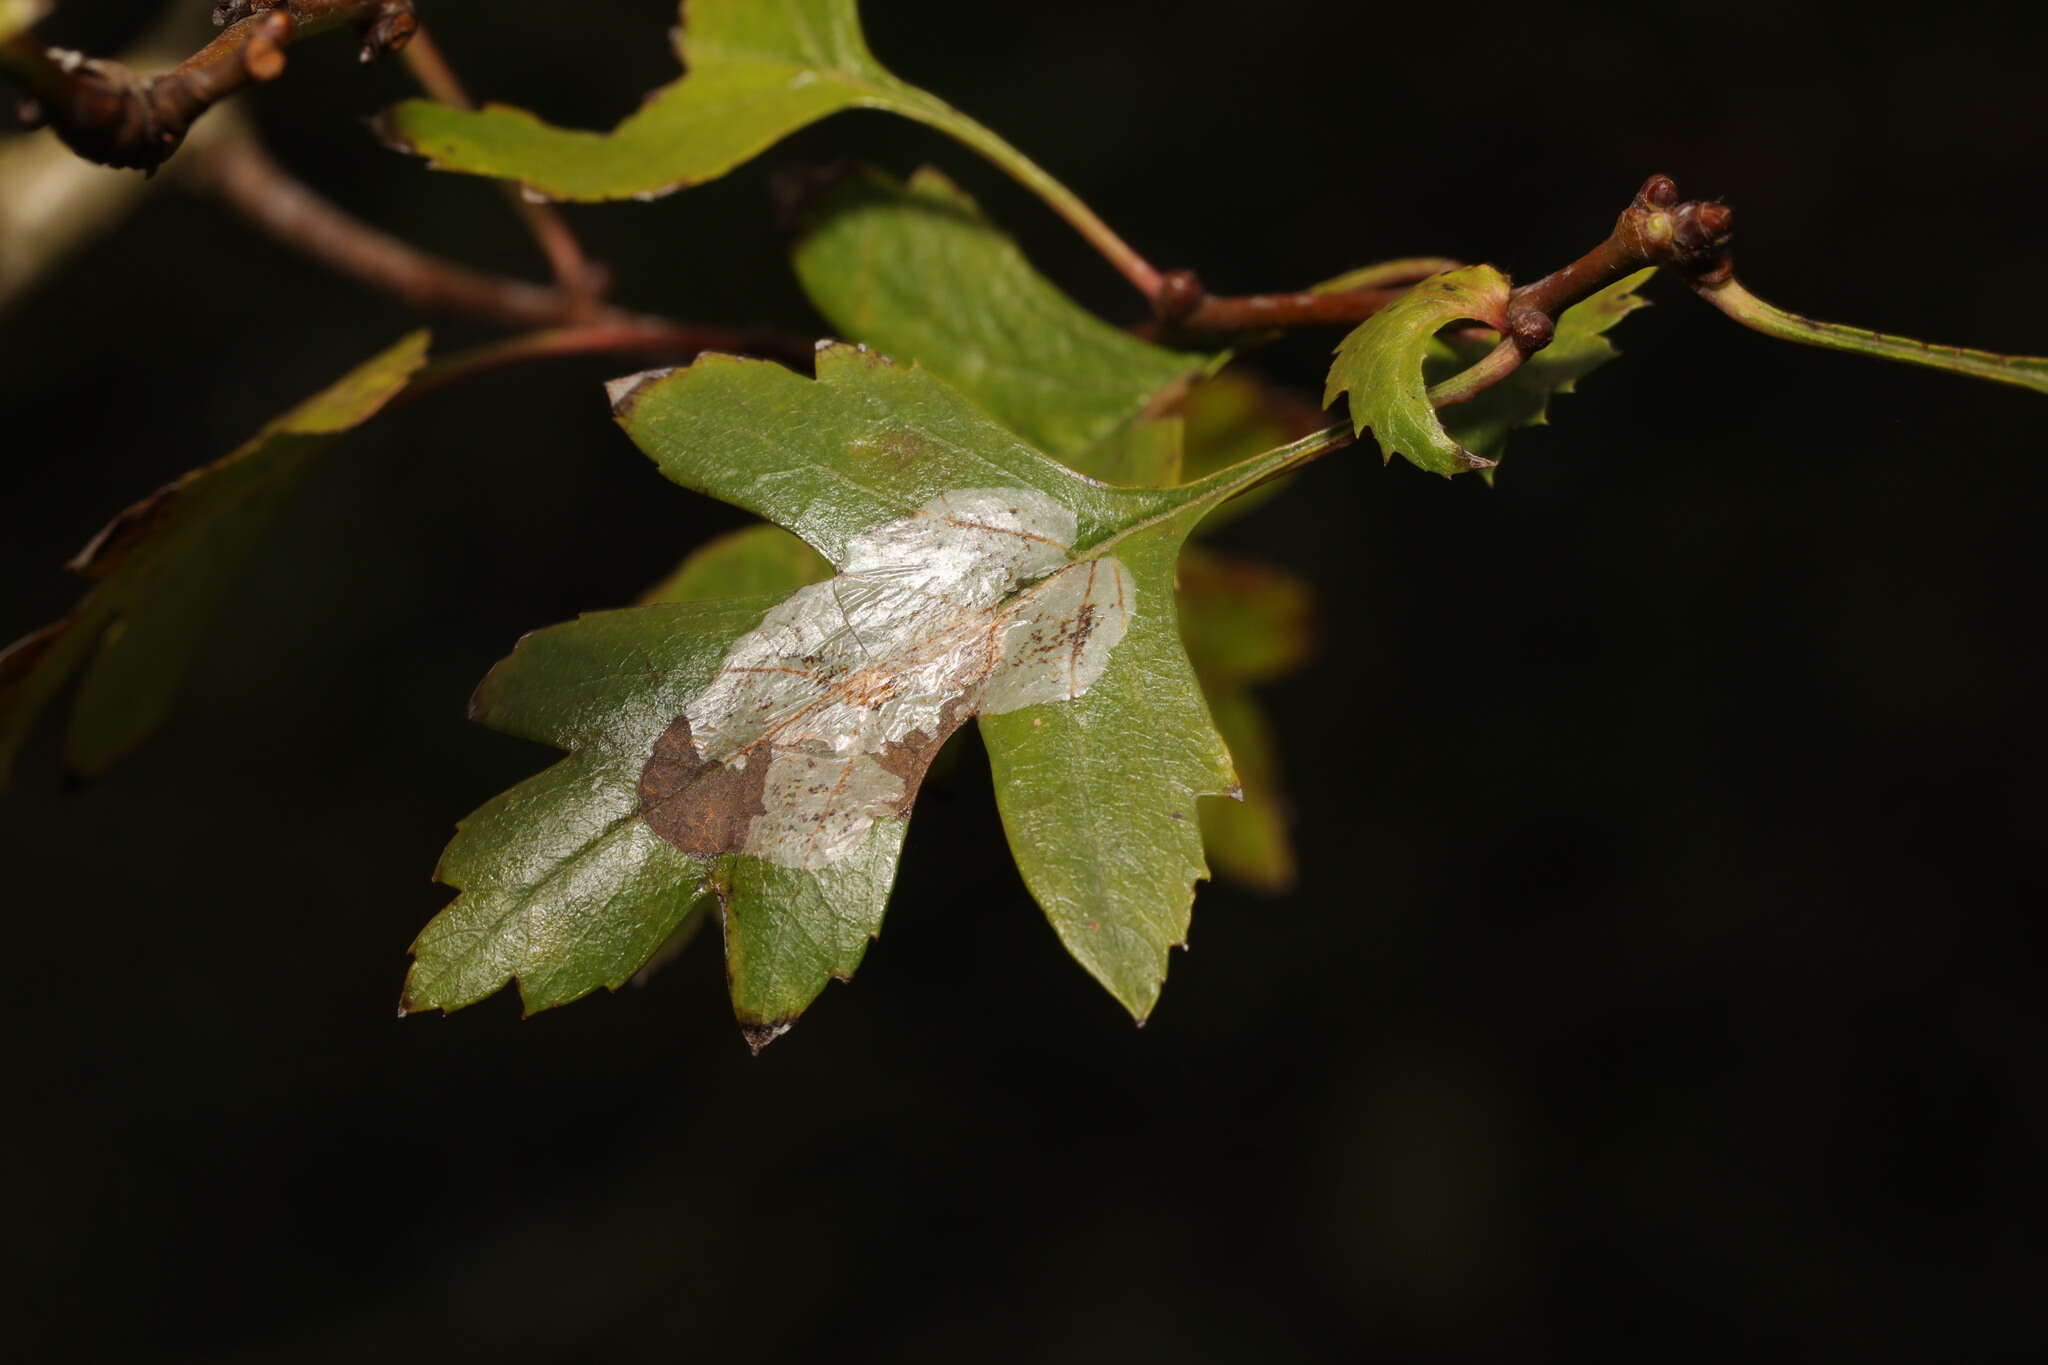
(758, 70)
(918, 273)
(161, 567)
(1380, 366)
(1578, 347)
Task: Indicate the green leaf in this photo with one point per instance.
(867, 442)
(564, 884)
(758, 70)
(1098, 794)
(1578, 347)
(764, 755)
(1245, 623)
(1380, 366)
(917, 272)
(161, 568)
(568, 881)
(748, 562)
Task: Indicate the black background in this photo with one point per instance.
(1663, 976)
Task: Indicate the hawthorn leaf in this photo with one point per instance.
(763, 755)
(1098, 796)
(564, 886)
(569, 881)
(767, 759)
(1578, 347)
(867, 442)
(160, 569)
(917, 272)
(1380, 366)
(757, 70)
(1245, 623)
(915, 493)
(752, 560)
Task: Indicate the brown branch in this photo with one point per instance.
(573, 271)
(107, 113)
(246, 178)
(1655, 229)
(1183, 305)
(249, 181)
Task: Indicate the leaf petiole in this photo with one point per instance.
(1731, 298)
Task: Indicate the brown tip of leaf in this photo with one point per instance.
(759, 1036)
(621, 391)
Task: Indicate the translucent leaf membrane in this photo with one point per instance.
(1380, 366)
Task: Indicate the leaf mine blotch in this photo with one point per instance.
(825, 717)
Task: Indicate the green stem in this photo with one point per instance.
(1236, 480)
(1028, 173)
(1496, 365)
(1746, 308)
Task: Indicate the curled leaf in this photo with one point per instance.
(1577, 348)
(1380, 366)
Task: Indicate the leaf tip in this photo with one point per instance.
(624, 391)
(758, 1036)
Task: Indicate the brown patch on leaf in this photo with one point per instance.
(910, 759)
(700, 807)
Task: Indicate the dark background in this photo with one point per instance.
(1663, 977)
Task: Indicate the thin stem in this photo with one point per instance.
(572, 270)
(1236, 480)
(1252, 312)
(1731, 298)
(1144, 277)
(244, 175)
(1497, 364)
(1186, 307)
